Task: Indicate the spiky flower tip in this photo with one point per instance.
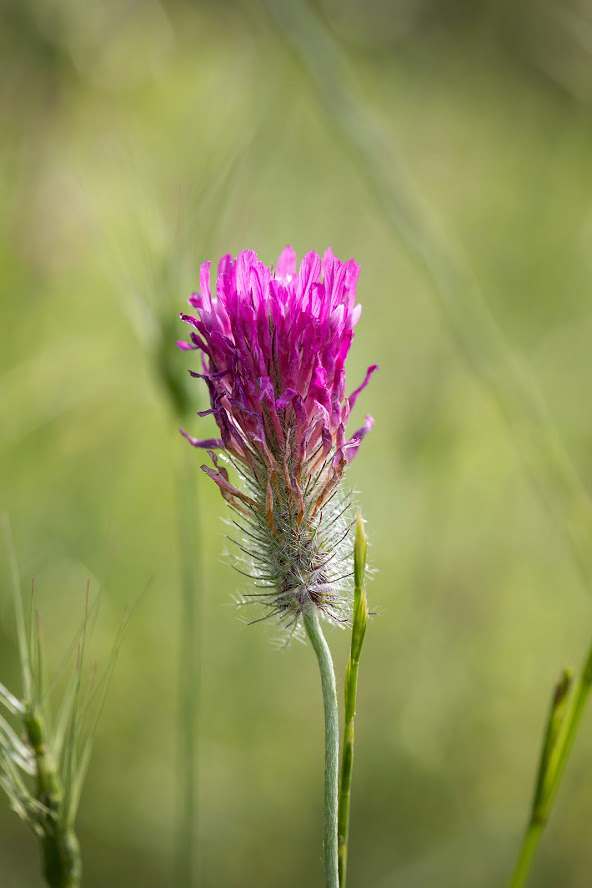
(273, 346)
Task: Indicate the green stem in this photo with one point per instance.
(346, 779)
(529, 845)
(321, 649)
(62, 865)
(563, 719)
(568, 734)
(61, 859)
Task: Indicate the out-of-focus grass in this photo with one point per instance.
(116, 128)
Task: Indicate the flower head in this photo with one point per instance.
(273, 346)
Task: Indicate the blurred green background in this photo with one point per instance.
(141, 138)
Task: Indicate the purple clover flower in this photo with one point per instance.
(273, 348)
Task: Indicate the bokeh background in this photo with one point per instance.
(141, 138)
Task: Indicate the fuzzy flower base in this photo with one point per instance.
(273, 347)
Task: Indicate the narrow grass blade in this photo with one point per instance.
(555, 721)
(13, 746)
(360, 620)
(13, 705)
(72, 737)
(564, 716)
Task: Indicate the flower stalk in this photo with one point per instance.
(321, 649)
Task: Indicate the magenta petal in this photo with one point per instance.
(204, 442)
(244, 262)
(225, 264)
(286, 264)
(355, 315)
(204, 284)
(353, 445)
(354, 395)
(286, 398)
(189, 319)
(310, 268)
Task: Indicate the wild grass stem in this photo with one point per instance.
(565, 713)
